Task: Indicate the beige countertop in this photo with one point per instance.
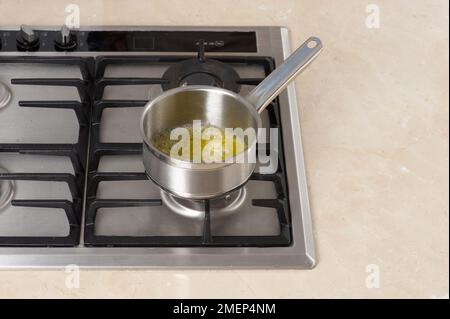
(374, 114)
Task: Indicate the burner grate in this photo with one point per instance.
(99, 149)
(76, 152)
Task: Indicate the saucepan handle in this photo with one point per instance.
(276, 82)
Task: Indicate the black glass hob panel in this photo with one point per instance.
(138, 41)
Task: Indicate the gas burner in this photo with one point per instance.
(6, 191)
(202, 71)
(195, 209)
(5, 95)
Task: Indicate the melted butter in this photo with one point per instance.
(214, 146)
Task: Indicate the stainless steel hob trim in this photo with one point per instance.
(301, 255)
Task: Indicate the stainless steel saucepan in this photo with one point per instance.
(221, 108)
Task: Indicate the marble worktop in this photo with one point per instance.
(374, 111)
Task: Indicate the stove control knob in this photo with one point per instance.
(27, 40)
(66, 41)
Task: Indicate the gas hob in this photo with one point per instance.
(72, 183)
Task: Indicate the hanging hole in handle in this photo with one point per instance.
(312, 44)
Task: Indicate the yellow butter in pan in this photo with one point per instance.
(213, 144)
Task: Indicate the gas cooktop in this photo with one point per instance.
(72, 183)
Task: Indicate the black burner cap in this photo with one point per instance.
(202, 71)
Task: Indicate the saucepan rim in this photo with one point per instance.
(189, 164)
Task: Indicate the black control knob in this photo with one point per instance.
(67, 40)
(27, 40)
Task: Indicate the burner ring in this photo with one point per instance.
(5, 95)
(201, 77)
(199, 72)
(195, 209)
(6, 191)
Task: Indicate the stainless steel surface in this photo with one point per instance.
(65, 35)
(220, 108)
(5, 95)
(27, 33)
(36, 125)
(31, 125)
(276, 82)
(119, 125)
(6, 191)
(222, 207)
(213, 106)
